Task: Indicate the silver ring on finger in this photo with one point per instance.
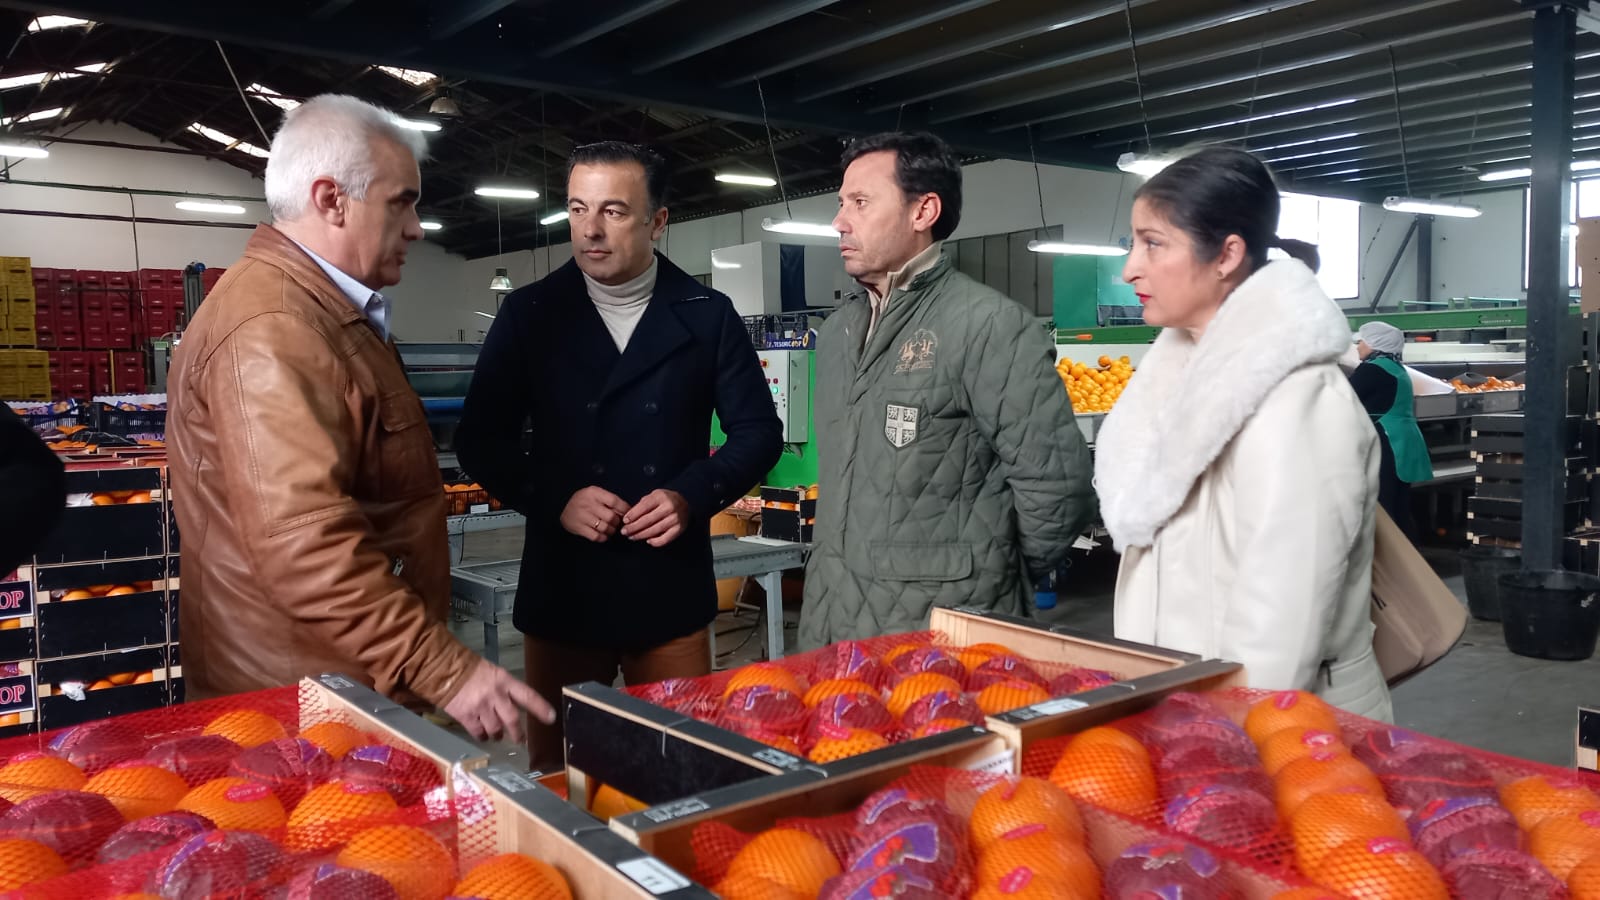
(596, 525)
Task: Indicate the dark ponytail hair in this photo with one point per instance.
(1220, 191)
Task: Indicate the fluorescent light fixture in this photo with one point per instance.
(554, 217)
(417, 124)
(508, 193)
(724, 264)
(501, 281)
(1581, 165)
(17, 81)
(39, 116)
(46, 23)
(484, 314)
(23, 151)
(1146, 166)
(1065, 248)
(264, 93)
(785, 226)
(228, 141)
(208, 206)
(415, 77)
(429, 225)
(748, 180)
(1431, 207)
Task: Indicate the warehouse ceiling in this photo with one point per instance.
(1311, 85)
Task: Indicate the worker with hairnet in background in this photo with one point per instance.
(1384, 387)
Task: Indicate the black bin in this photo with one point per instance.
(1481, 568)
(1550, 615)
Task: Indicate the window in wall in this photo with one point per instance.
(1334, 225)
(1585, 204)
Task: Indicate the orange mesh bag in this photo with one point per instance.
(412, 860)
(1097, 767)
(513, 876)
(1380, 869)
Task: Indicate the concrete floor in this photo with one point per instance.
(1480, 694)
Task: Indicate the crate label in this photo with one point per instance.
(676, 810)
(16, 600)
(1002, 763)
(511, 782)
(478, 509)
(337, 682)
(16, 694)
(778, 758)
(653, 875)
(1057, 706)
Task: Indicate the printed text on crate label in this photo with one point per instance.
(652, 875)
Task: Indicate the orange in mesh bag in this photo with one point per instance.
(787, 857)
(31, 774)
(1563, 841)
(512, 876)
(1039, 853)
(138, 789)
(1325, 822)
(770, 674)
(331, 813)
(1101, 768)
(235, 804)
(1028, 801)
(837, 742)
(1008, 695)
(413, 861)
(1291, 744)
(336, 738)
(1539, 797)
(915, 687)
(1288, 709)
(24, 862)
(246, 727)
(822, 690)
(1321, 773)
(1584, 880)
(1380, 869)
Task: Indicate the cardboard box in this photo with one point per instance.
(597, 863)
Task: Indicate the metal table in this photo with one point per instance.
(486, 591)
(457, 527)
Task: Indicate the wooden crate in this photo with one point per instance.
(337, 698)
(598, 864)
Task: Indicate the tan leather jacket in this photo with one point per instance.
(307, 493)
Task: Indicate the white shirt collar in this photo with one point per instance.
(367, 301)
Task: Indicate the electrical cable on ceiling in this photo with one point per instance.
(1472, 144)
(777, 171)
(1138, 79)
(1399, 121)
(242, 97)
(1038, 182)
(1255, 83)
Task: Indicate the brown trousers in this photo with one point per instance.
(550, 666)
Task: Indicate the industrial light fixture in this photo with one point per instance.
(39, 116)
(430, 225)
(16, 81)
(554, 217)
(724, 264)
(208, 206)
(1582, 165)
(501, 281)
(507, 193)
(789, 226)
(47, 23)
(1431, 207)
(1142, 165)
(23, 151)
(1066, 248)
(445, 107)
(489, 316)
(747, 180)
(417, 124)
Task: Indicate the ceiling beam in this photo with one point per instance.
(1120, 44)
(451, 17)
(329, 9)
(1025, 29)
(1374, 165)
(758, 18)
(621, 18)
(918, 18)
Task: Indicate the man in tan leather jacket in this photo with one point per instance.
(303, 472)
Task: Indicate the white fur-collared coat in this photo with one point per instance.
(1238, 477)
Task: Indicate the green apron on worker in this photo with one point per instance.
(1411, 461)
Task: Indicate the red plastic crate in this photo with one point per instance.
(91, 280)
(68, 335)
(152, 279)
(107, 335)
(119, 281)
(70, 362)
(44, 281)
(66, 279)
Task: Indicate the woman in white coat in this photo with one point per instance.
(1238, 474)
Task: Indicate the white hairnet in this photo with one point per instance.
(1383, 337)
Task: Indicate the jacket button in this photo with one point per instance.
(717, 487)
(592, 405)
(652, 408)
(598, 469)
(649, 470)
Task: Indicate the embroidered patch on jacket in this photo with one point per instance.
(900, 425)
(916, 354)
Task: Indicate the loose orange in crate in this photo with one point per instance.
(838, 742)
(1028, 801)
(1562, 841)
(512, 876)
(1106, 775)
(1324, 822)
(246, 727)
(235, 804)
(413, 861)
(31, 774)
(24, 862)
(1291, 744)
(1320, 773)
(1288, 709)
(336, 738)
(1538, 797)
(833, 687)
(331, 813)
(1008, 695)
(915, 687)
(1380, 869)
(789, 858)
(608, 803)
(769, 674)
(138, 788)
(1037, 852)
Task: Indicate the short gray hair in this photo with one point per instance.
(330, 136)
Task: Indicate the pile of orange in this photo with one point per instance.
(1095, 390)
(1490, 384)
(102, 590)
(119, 498)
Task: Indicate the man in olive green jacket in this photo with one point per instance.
(952, 473)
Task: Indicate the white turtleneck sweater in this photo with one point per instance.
(622, 305)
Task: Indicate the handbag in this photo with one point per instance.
(1416, 618)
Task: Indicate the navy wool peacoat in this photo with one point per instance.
(629, 422)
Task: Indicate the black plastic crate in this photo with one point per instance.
(62, 710)
(91, 667)
(133, 573)
(125, 423)
(102, 624)
(94, 533)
